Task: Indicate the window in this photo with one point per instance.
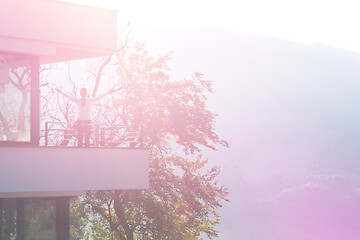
(15, 101)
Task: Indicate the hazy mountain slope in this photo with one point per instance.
(292, 115)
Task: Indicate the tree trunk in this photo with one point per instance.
(98, 76)
(21, 123)
(4, 124)
(120, 214)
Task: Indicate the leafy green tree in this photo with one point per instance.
(39, 219)
(8, 219)
(174, 122)
(78, 220)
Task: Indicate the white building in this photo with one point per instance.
(34, 32)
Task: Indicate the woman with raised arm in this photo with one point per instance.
(83, 119)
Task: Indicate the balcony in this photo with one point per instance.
(59, 167)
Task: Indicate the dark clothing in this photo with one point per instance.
(83, 129)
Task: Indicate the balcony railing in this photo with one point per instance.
(65, 135)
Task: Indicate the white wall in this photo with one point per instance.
(53, 171)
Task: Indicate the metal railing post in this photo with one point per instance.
(96, 135)
(46, 133)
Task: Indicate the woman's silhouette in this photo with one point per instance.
(83, 120)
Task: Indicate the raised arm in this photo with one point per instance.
(71, 98)
(94, 99)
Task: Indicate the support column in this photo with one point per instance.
(35, 102)
(62, 218)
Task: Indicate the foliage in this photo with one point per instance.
(183, 197)
(8, 219)
(175, 124)
(39, 219)
(78, 219)
(178, 205)
(165, 110)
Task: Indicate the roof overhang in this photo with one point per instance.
(56, 31)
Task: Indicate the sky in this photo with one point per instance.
(328, 22)
(294, 129)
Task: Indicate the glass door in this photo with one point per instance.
(17, 73)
